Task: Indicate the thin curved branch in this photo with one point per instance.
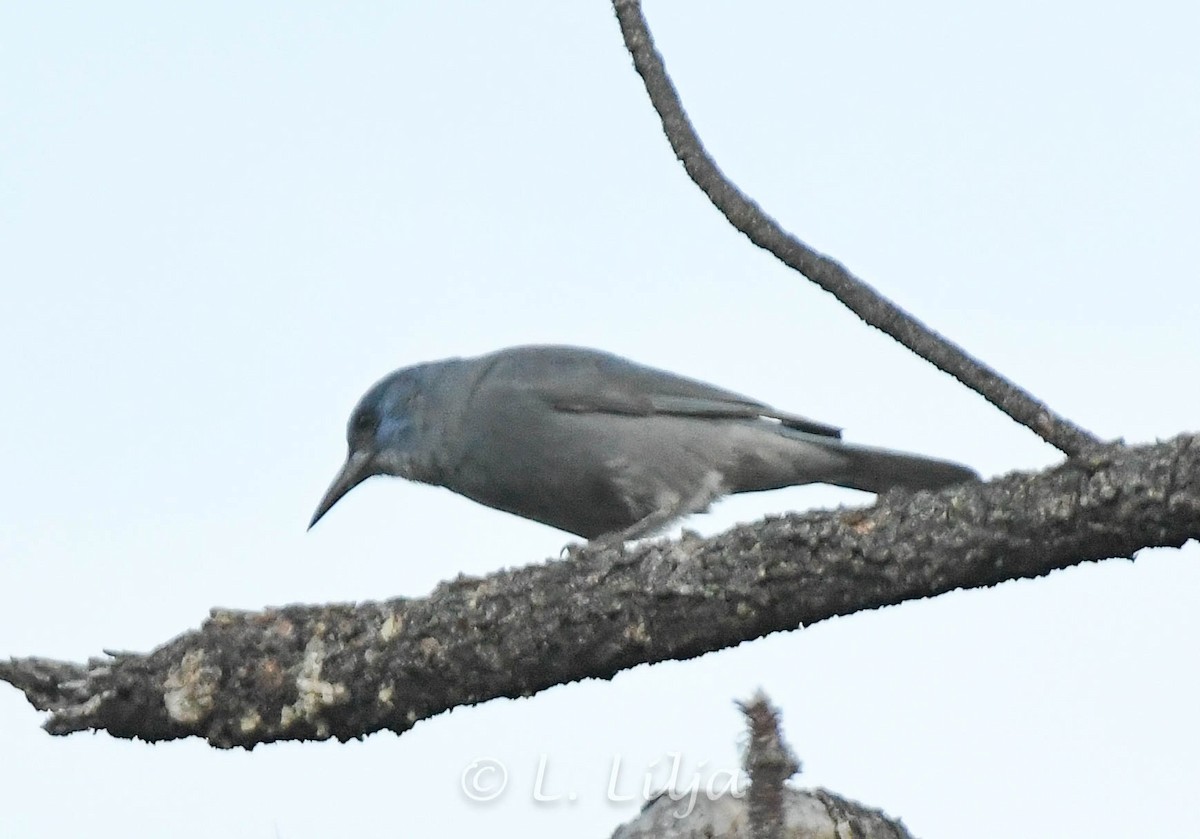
(827, 273)
(311, 672)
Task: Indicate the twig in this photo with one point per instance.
(769, 762)
(827, 273)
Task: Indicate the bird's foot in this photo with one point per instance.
(599, 544)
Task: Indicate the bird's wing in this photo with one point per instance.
(586, 381)
(717, 404)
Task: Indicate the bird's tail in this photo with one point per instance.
(878, 470)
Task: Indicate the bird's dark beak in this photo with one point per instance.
(355, 470)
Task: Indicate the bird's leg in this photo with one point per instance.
(673, 506)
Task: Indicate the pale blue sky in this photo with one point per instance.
(220, 223)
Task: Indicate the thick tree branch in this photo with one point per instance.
(304, 672)
(827, 273)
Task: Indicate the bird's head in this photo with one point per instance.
(383, 434)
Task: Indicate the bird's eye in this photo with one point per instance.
(362, 427)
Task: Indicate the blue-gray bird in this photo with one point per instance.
(597, 445)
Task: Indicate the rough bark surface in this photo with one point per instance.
(344, 671)
(808, 814)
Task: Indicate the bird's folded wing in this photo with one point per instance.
(713, 404)
(579, 380)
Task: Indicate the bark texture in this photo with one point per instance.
(807, 814)
(344, 671)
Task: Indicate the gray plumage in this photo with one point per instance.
(597, 445)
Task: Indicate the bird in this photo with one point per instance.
(597, 445)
